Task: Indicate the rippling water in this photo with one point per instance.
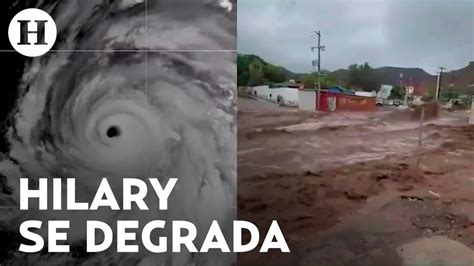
(122, 111)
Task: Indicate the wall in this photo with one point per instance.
(290, 95)
(307, 100)
(348, 102)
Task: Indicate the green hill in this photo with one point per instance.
(253, 70)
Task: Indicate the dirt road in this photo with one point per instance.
(351, 179)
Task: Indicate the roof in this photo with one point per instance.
(338, 89)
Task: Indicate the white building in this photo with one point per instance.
(283, 96)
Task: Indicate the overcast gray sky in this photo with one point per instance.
(407, 33)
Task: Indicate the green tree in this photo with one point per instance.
(243, 78)
(326, 79)
(450, 93)
(431, 93)
(309, 80)
(363, 77)
(445, 95)
(397, 92)
(243, 73)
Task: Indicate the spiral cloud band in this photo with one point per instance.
(131, 89)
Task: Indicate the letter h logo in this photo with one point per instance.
(24, 32)
(28, 24)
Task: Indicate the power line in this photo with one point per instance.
(317, 62)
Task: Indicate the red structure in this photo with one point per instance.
(419, 90)
(331, 102)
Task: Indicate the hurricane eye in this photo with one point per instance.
(113, 132)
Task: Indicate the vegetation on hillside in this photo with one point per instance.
(252, 70)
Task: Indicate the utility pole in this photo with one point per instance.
(318, 64)
(438, 84)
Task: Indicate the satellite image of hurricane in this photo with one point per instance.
(131, 88)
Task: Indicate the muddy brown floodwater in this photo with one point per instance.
(317, 172)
